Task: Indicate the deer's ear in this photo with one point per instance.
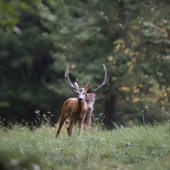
(87, 86)
(98, 95)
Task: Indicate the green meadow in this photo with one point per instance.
(134, 148)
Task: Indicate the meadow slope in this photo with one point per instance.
(135, 148)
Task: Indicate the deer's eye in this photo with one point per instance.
(83, 92)
(77, 93)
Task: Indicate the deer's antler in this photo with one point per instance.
(105, 80)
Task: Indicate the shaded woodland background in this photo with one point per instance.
(39, 39)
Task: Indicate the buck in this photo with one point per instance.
(74, 109)
(89, 97)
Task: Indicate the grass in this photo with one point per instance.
(135, 148)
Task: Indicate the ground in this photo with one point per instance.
(124, 148)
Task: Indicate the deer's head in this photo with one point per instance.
(81, 92)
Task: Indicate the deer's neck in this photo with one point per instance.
(81, 104)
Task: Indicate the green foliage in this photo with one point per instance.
(10, 11)
(25, 66)
(39, 39)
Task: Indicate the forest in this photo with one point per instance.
(39, 39)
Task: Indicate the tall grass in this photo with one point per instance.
(138, 147)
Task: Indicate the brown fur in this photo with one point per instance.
(90, 97)
(75, 111)
(90, 100)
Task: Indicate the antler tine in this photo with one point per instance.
(105, 80)
(77, 81)
(68, 79)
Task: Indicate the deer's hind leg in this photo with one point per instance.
(62, 120)
(70, 128)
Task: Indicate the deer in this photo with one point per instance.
(89, 97)
(74, 109)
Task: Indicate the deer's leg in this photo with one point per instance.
(81, 126)
(62, 120)
(67, 122)
(89, 119)
(87, 123)
(70, 128)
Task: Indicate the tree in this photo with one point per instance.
(25, 64)
(130, 37)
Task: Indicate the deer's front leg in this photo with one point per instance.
(81, 126)
(70, 128)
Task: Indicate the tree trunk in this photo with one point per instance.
(110, 111)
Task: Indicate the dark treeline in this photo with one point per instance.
(40, 39)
